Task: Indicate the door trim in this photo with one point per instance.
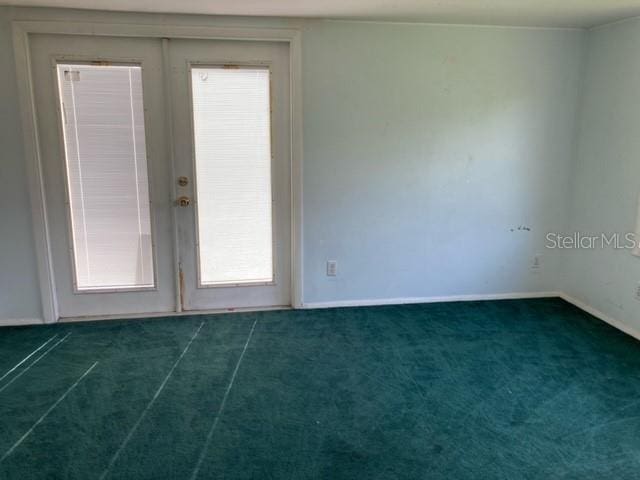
(236, 64)
(21, 32)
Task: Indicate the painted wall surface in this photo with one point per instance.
(436, 158)
(19, 292)
(606, 175)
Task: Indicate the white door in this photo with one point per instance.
(105, 173)
(231, 123)
(137, 228)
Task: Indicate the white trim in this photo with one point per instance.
(171, 152)
(34, 174)
(312, 305)
(623, 327)
(457, 25)
(16, 322)
(297, 153)
(184, 313)
(268, 67)
(157, 31)
(438, 299)
(361, 303)
(21, 31)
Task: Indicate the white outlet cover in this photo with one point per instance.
(537, 261)
(332, 268)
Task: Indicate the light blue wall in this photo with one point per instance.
(19, 294)
(426, 148)
(606, 175)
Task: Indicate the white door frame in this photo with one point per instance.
(21, 32)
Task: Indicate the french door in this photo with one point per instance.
(166, 172)
(231, 152)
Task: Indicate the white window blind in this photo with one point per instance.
(104, 138)
(232, 136)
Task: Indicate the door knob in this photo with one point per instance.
(183, 201)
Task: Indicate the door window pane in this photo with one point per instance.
(104, 139)
(232, 136)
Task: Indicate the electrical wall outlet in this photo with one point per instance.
(536, 262)
(637, 292)
(332, 268)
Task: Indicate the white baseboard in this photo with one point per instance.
(468, 298)
(601, 316)
(143, 316)
(16, 322)
(440, 299)
(390, 301)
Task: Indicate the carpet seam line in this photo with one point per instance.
(207, 441)
(133, 429)
(44, 416)
(27, 357)
(22, 372)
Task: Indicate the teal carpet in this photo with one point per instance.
(523, 389)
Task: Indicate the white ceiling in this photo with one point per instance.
(551, 13)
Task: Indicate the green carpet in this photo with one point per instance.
(522, 389)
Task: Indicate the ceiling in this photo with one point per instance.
(549, 13)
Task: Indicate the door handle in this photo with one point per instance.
(183, 201)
